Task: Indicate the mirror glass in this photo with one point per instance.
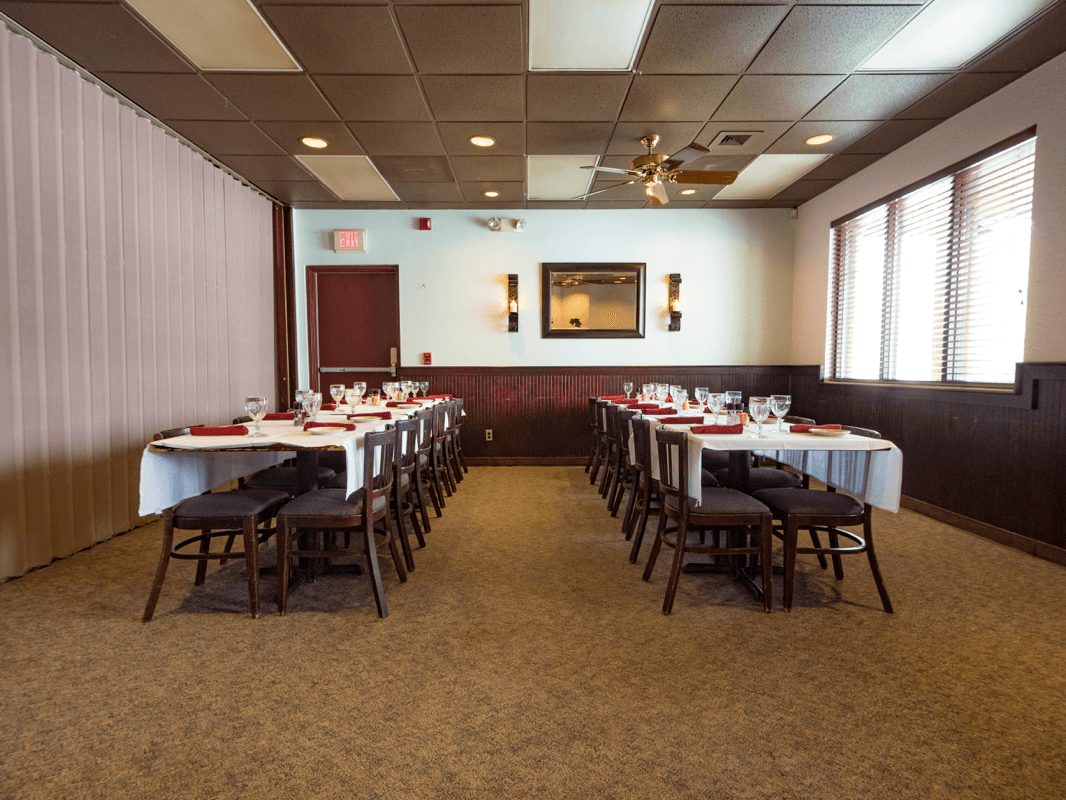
(592, 301)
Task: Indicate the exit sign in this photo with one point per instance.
(349, 241)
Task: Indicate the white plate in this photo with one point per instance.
(828, 432)
(364, 419)
(409, 405)
(326, 431)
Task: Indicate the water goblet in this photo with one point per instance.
(360, 389)
(408, 389)
(627, 387)
(759, 408)
(716, 400)
(647, 389)
(257, 409)
(733, 406)
(662, 392)
(336, 391)
(352, 397)
(674, 389)
(423, 386)
(312, 403)
(680, 398)
(700, 394)
(780, 404)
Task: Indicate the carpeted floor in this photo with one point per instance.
(526, 658)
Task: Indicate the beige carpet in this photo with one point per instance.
(526, 658)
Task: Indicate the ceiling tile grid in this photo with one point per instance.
(407, 83)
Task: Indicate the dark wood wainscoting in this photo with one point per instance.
(539, 415)
(992, 463)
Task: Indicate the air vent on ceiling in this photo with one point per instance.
(732, 138)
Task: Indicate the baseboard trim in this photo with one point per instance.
(528, 461)
(1014, 541)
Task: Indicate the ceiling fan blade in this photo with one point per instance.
(656, 193)
(589, 194)
(612, 169)
(701, 176)
(685, 155)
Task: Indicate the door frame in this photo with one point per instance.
(312, 306)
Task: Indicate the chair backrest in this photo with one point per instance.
(457, 420)
(407, 445)
(170, 433)
(624, 418)
(241, 420)
(612, 423)
(379, 447)
(642, 443)
(798, 420)
(601, 418)
(425, 430)
(673, 463)
(867, 432)
(440, 411)
(451, 413)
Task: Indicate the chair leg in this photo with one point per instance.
(201, 566)
(459, 451)
(397, 560)
(766, 545)
(374, 569)
(791, 537)
(675, 567)
(655, 548)
(641, 524)
(627, 518)
(397, 510)
(420, 492)
(867, 530)
(283, 566)
(817, 542)
(164, 562)
(597, 459)
(251, 562)
(834, 542)
(413, 504)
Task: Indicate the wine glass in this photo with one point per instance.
(312, 403)
(352, 397)
(701, 393)
(674, 389)
(716, 400)
(360, 389)
(780, 404)
(336, 391)
(408, 389)
(680, 398)
(627, 387)
(759, 408)
(734, 404)
(257, 409)
(662, 391)
(423, 386)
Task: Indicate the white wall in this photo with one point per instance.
(1038, 98)
(735, 266)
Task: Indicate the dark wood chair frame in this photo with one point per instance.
(454, 438)
(405, 495)
(626, 476)
(599, 446)
(425, 474)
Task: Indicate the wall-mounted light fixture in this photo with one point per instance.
(673, 297)
(506, 225)
(512, 303)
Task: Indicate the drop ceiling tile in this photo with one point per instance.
(842, 166)
(429, 206)
(458, 98)
(676, 97)
(273, 96)
(633, 192)
(672, 137)
(414, 169)
(956, 94)
(420, 192)
(782, 203)
(172, 96)
(875, 96)
(567, 138)
(764, 134)
(375, 98)
(776, 97)
(505, 204)
(288, 136)
(734, 204)
(227, 138)
(680, 204)
(267, 168)
(825, 39)
(510, 191)
(510, 138)
(844, 135)
(617, 162)
(698, 198)
(489, 168)
(397, 138)
(574, 98)
(605, 205)
(804, 189)
(708, 40)
(125, 44)
(341, 40)
(464, 40)
(891, 135)
(555, 204)
(293, 191)
(1030, 47)
(719, 161)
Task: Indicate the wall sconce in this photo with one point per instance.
(506, 225)
(674, 300)
(512, 303)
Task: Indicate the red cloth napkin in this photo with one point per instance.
(223, 430)
(282, 415)
(378, 414)
(805, 428)
(646, 406)
(630, 403)
(717, 429)
(397, 403)
(613, 397)
(662, 412)
(438, 397)
(685, 421)
(346, 426)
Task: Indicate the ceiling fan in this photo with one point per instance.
(655, 169)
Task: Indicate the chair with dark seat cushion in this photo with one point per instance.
(598, 453)
(453, 438)
(739, 515)
(440, 472)
(308, 527)
(405, 499)
(424, 474)
(627, 474)
(824, 511)
(282, 477)
(216, 515)
(646, 496)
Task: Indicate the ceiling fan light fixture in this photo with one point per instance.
(314, 141)
(482, 141)
(822, 138)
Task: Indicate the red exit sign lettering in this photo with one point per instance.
(349, 241)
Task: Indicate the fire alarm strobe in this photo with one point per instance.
(425, 224)
(427, 359)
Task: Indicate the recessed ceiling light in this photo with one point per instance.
(492, 194)
(823, 138)
(314, 141)
(482, 141)
(688, 191)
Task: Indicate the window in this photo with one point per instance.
(929, 285)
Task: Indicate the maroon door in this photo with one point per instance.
(353, 321)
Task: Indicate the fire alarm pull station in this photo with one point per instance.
(425, 224)
(427, 359)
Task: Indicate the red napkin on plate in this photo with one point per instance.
(223, 430)
(281, 415)
(805, 428)
(717, 429)
(630, 403)
(662, 412)
(378, 414)
(438, 397)
(329, 407)
(346, 426)
(613, 397)
(685, 421)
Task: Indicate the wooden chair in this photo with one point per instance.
(612, 466)
(599, 447)
(424, 474)
(647, 492)
(405, 497)
(720, 509)
(454, 438)
(440, 472)
(826, 511)
(281, 477)
(626, 475)
(321, 515)
(216, 515)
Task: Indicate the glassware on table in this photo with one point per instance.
(734, 404)
(700, 393)
(662, 391)
(375, 396)
(780, 404)
(680, 398)
(408, 388)
(674, 389)
(647, 390)
(257, 409)
(360, 389)
(312, 403)
(627, 387)
(352, 397)
(759, 408)
(716, 401)
(336, 391)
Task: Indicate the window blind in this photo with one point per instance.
(931, 285)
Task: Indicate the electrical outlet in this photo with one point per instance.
(488, 434)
